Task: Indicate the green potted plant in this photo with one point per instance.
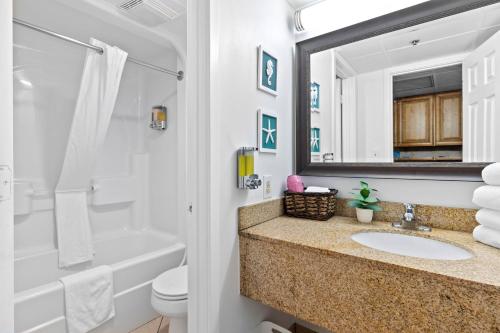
(364, 203)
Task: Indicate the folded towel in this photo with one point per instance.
(487, 197)
(489, 218)
(317, 189)
(88, 297)
(491, 174)
(487, 236)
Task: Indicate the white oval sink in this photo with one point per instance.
(411, 246)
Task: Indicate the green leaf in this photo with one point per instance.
(354, 204)
(371, 200)
(363, 199)
(375, 208)
(358, 197)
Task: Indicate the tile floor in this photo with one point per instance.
(157, 325)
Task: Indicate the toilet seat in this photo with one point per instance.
(172, 285)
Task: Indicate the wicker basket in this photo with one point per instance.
(315, 206)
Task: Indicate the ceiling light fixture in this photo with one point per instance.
(298, 21)
(331, 15)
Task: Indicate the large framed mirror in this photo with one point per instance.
(412, 92)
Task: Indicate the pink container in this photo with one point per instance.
(294, 184)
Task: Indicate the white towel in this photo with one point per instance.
(491, 174)
(316, 189)
(489, 218)
(487, 236)
(96, 100)
(74, 237)
(88, 297)
(487, 197)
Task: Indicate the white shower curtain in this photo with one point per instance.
(96, 100)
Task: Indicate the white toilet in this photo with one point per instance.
(169, 297)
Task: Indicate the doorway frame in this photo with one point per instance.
(6, 158)
(415, 67)
(202, 185)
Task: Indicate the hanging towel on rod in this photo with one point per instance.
(96, 100)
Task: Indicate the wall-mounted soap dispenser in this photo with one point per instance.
(159, 118)
(247, 179)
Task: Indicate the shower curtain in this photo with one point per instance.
(96, 100)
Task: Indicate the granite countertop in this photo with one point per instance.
(334, 237)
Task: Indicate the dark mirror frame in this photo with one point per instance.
(411, 16)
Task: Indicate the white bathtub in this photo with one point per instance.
(136, 257)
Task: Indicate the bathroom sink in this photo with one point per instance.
(411, 246)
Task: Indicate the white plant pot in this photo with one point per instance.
(364, 215)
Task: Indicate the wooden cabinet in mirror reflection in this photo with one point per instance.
(428, 128)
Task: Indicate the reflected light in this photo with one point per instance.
(26, 83)
(331, 15)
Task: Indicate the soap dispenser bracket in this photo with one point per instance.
(247, 178)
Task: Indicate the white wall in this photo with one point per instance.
(237, 28)
(6, 158)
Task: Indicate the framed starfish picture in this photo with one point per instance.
(267, 72)
(315, 141)
(268, 131)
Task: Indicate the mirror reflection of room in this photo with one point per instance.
(427, 115)
(422, 94)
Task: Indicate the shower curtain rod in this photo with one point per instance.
(179, 74)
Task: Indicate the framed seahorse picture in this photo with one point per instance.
(267, 72)
(315, 97)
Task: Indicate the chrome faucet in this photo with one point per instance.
(409, 215)
(409, 220)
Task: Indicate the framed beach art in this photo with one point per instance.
(267, 131)
(315, 141)
(267, 72)
(315, 97)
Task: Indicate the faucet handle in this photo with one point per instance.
(409, 215)
(409, 206)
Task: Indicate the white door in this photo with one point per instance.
(481, 107)
(337, 119)
(6, 157)
(349, 122)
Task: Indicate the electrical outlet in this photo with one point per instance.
(268, 186)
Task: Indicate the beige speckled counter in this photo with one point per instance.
(314, 271)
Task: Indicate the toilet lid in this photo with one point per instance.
(172, 283)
